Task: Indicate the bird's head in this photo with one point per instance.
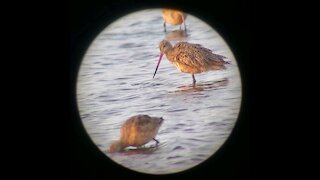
(116, 146)
(164, 46)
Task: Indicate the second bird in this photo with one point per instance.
(137, 131)
(173, 17)
(191, 58)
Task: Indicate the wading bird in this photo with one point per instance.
(191, 58)
(173, 17)
(137, 131)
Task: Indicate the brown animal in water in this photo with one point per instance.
(191, 58)
(137, 131)
(173, 17)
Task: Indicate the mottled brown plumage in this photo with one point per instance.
(191, 58)
(137, 131)
(173, 17)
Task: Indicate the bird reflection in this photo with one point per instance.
(141, 150)
(203, 86)
(178, 35)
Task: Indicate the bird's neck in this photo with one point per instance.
(122, 145)
(118, 146)
(170, 55)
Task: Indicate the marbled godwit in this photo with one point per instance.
(137, 131)
(191, 58)
(173, 17)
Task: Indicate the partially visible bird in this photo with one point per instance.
(173, 17)
(191, 58)
(137, 131)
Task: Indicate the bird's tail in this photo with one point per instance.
(227, 62)
(222, 58)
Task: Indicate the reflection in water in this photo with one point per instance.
(142, 150)
(178, 35)
(203, 86)
(139, 150)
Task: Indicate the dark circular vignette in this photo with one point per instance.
(232, 159)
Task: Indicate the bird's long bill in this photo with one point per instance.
(161, 54)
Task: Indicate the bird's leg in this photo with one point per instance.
(194, 79)
(156, 140)
(164, 25)
(184, 23)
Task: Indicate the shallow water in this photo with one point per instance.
(115, 82)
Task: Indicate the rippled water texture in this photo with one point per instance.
(115, 82)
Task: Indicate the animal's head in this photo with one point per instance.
(165, 46)
(116, 146)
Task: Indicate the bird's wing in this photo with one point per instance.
(136, 126)
(137, 121)
(196, 55)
